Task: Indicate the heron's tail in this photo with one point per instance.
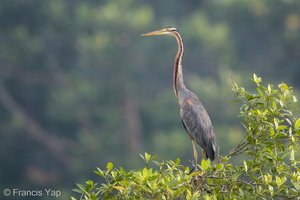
(210, 153)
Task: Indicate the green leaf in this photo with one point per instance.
(78, 191)
(297, 123)
(147, 157)
(142, 156)
(177, 161)
(254, 178)
(241, 192)
(220, 167)
(245, 165)
(109, 166)
(256, 79)
(292, 157)
(145, 173)
(89, 182)
(93, 197)
(281, 127)
(122, 171)
(82, 189)
(205, 164)
(271, 189)
(80, 186)
(235, 176)
(114, 174)
(268, 178)
(269, 89)
(280, 181)
(99, 172)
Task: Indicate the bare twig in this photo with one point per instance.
(240, 148)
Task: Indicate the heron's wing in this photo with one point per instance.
(198, 125)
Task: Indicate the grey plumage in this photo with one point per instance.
(198, 125)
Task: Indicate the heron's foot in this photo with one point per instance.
(198, 179)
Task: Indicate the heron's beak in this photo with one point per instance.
(159, 32)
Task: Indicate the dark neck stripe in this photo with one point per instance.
(177, 62)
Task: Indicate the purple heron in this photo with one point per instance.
(193, 114)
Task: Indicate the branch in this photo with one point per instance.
(25, 76)
(58, 147)
(241, 148)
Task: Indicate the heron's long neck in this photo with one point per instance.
(179, 87)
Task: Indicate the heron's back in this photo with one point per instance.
(198, 124)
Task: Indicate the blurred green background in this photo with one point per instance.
(79, 86)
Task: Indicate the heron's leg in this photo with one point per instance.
(195, 156)
(203, 154)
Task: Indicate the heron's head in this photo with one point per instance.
(168, 30)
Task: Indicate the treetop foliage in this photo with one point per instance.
(271, 170)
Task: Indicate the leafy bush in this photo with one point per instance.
(271, 172)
